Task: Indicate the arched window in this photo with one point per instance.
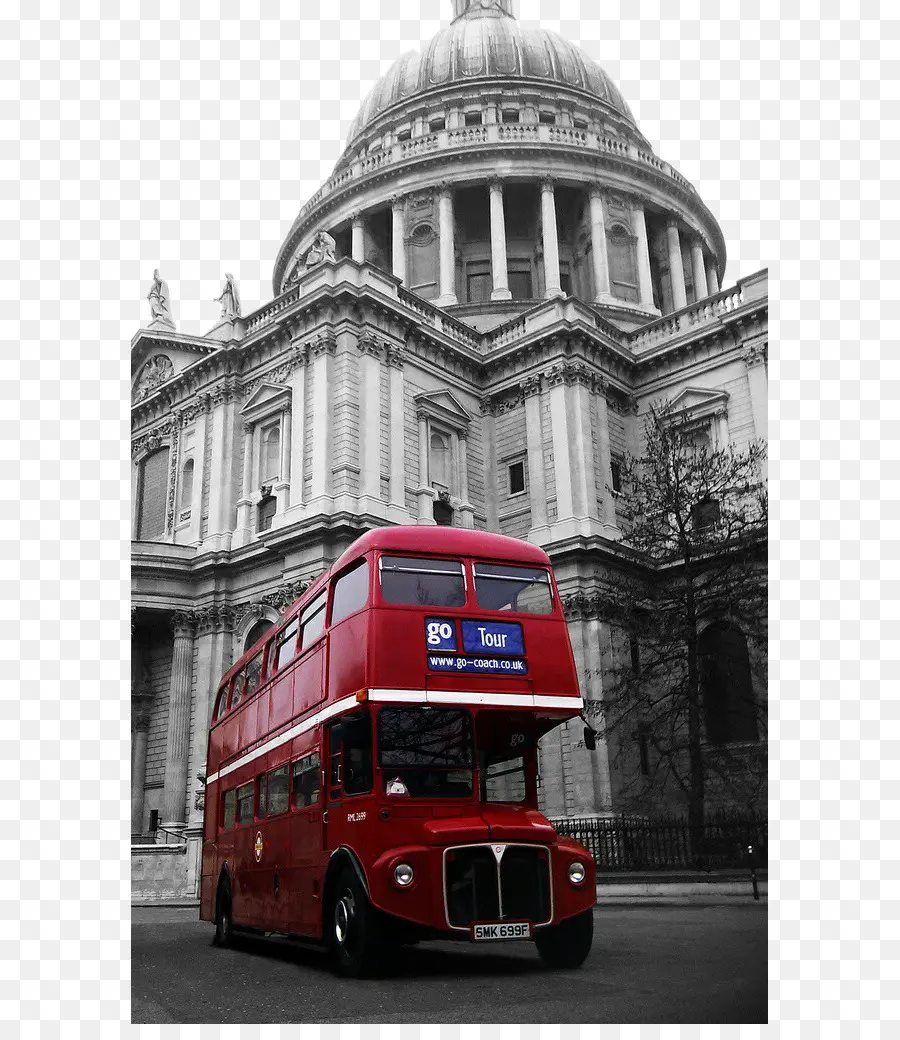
(622, 263)
(726, 685)
(271, 454)
(153, 484)
(440, 460)
(187, 485)
(259, 629)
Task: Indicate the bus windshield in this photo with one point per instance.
(426, 752)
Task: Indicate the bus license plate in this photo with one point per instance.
(507, 930)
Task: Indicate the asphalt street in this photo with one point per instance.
(648, 964)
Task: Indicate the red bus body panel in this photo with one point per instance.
(277, 865)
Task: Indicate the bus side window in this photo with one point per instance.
(351, 591)
(307, 771)
(237, 689)
(228, 806)
(244, 804)
(285, 646)
(254, 674)
(277, 791)
(313, 621)
(221, 702)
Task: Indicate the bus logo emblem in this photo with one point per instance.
(258, 846)
(498, 851)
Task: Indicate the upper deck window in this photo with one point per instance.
(423, 583)
(313, 621)
(499, 586)
(351, 591)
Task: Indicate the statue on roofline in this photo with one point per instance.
(230, 300)
(159, 301)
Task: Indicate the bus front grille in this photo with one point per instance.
(478, 889)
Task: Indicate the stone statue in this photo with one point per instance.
(159, 301)
(321, 249)
(230, 300)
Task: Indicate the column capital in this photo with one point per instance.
(444, 189)
(397, 201)
(495, 183)
(183, 623)
(368, 344)
(356, 217)
(396, 355)
(595, 191)
(324, 343)
(531, 386)
(671, 221)
(547, 184)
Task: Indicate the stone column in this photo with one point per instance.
(298, 423)
(140, 708)
(199, 464)
(602, 292)
(676, 267)
(242, 530)
(179, 729)
(534, 443)
(322, 352)
(398, 431)
(712, 276)
(466, 509)
(500, 289)
(643, 260)
(489, 439)
(358, 239)
(221, 476)
(699, 271)
(282, 489)
(398, 238)
(447, 248)
(755, 360)
(371, 352)
(562, 443)
(551, 243)
(424, 493)
(582, 446)
(606, 495)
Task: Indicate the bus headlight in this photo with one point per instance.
(576, 872)
(403, 874)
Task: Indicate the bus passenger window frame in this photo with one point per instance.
(267, 810)
(228, 822)
(239, 819)
(400, 564)
(314, 760)
(359, 564)
(320, 603)
(238, 686)
(282, 638)
(222, 701)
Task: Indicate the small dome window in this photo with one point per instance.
(473, 119)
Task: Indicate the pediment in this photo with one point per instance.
(442, 405)
(265, 399)
(697, 401)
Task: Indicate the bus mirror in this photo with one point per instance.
(590, 739)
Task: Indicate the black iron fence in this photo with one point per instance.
(638, 843)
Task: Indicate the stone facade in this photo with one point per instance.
(515, 278)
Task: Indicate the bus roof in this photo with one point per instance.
(449, 541)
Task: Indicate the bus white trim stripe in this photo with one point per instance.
(518, 700)
(282, 738)
(525, 700)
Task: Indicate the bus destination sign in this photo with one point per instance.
(489, 646)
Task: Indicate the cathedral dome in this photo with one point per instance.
(485, 42)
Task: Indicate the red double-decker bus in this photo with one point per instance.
(372, 762)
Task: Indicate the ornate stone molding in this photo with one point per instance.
(396, 355)
(229, 389)
(756, 354)
(368, 344)
(324, 343)
(531, 386)
(183, 623)
(150, 442)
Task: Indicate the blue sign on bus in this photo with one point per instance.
(493, 637)
(440, 633)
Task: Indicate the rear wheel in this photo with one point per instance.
(224, 923)
(568, 944)
(354, 935)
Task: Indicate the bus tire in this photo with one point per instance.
(568, 944)
(224, 923)
(353, 932)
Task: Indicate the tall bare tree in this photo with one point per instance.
(695, 526)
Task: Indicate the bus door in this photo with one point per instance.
(349, 802)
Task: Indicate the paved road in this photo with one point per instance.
(648, 964)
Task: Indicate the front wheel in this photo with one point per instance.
(353, 930)
(224, 923)
(568, 944)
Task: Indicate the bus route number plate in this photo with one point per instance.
(505, 930)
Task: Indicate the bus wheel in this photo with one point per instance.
(568, 944)
(353, 931)
(224, 924)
